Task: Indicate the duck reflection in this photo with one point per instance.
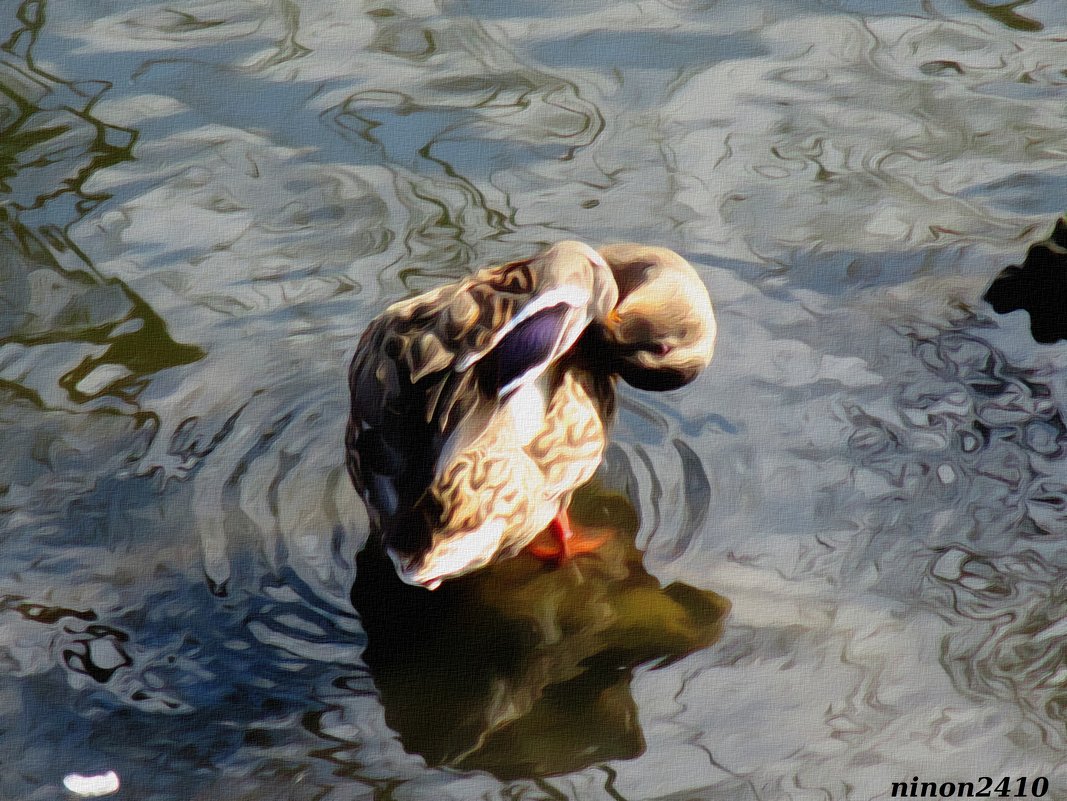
(523, 669)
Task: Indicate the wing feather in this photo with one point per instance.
(526, 349)
(421, 368)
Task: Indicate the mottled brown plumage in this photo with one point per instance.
(480, 406)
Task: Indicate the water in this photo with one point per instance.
(203, 205)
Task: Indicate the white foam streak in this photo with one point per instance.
(92, 786)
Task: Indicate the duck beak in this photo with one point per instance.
(420, 578)
(412, 572)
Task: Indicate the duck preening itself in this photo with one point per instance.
(480, 406)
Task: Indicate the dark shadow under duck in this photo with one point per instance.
(523, 669)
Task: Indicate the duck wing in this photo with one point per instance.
(389, 445)
(432, 362)
(525, 350)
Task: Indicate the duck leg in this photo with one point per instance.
(566, 542)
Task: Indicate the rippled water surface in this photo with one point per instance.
(837, 559)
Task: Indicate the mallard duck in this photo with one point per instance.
(480, 406)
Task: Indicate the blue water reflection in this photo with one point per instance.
(202, 205)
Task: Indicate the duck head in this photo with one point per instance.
(451, 557)
(662, 330)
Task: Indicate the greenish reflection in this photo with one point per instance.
(81, 307)
(50, 145)
(146, 349)
(523, 669)
(400, 35)
(1005, 14)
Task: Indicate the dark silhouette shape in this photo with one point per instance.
(523, 669)
(1039, 286)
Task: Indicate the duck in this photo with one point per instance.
(480, 406)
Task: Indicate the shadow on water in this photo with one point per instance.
(1038, 285)
(523, 669)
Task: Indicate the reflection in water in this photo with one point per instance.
(50, 294)
(1005, 14)
(201, 206)
(523, 668)
(1039, 286)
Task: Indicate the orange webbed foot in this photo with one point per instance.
(565, 543)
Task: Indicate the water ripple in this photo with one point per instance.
(203, 204)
